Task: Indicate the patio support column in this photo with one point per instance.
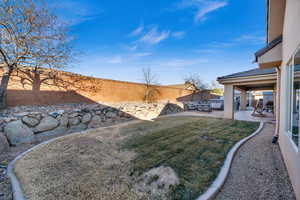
(228, 101)
(243, 100)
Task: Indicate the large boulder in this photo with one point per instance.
(46, 124)
(63, 120)
(111, 114)
(55, 114)
(158, 182)
(30, 121)
(74, 121)
(3, 143)
(86, 118)
(58, 131)
(74, 114)
(17, 132)
(77, 128)
(95, 122)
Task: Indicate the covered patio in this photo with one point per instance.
(238, 88)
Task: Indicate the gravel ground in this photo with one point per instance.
(258, 171)
(5, 158)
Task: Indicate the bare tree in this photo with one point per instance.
(195, 81)
(150, 80)
(30, 36)
(216, 88)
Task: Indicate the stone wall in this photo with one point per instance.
(30, 124)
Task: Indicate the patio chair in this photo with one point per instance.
(259, 108)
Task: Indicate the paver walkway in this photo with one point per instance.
(258, 171)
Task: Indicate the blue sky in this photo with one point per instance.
(172, 37)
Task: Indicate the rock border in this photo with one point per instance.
(17, 191)
(218, 183)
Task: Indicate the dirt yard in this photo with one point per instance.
(169, 158)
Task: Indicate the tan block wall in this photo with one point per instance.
(79, 89)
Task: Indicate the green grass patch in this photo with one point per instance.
(195, 147)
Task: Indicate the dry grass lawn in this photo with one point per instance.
(105, 163)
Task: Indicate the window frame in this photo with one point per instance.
(290, 77)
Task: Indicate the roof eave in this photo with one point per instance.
(267, 48)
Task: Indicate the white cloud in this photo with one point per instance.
(114, 60)
(241, 40)
(246, 39)
(178, 35)
(181, 63)
(205, 51)
(203, 7)
(137, 31)
(209, 7)
(251, 39)
(222, 44)
(153, 36)
(75, 12)
(142, 54)
(131, 47)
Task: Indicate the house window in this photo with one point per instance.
(293, 98)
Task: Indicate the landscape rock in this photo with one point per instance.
(60, 130)
(46, 124)
(74, 121)
(63, 120)
(95, 122)
(30, 121)
(77, 128)
(9, 119)
(55, 114)
(111, 114)
(158, 182)
(17, 132)
(86, 118)
(3, 143)
(21, 114)
(75, 114)
(49, 121)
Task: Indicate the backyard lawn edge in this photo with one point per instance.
(218, 183)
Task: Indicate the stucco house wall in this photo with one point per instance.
(291, 41)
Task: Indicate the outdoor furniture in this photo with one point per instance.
(259, 108)
(269, 106)
(216, 104)
(204, 108)
(191, 106)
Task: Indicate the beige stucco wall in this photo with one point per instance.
(228, 101)
(289, 152)
(243, 100)
(291, 32)
(273, 55)
(276, 17)
(291, 41)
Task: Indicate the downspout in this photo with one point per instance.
(276, 135)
